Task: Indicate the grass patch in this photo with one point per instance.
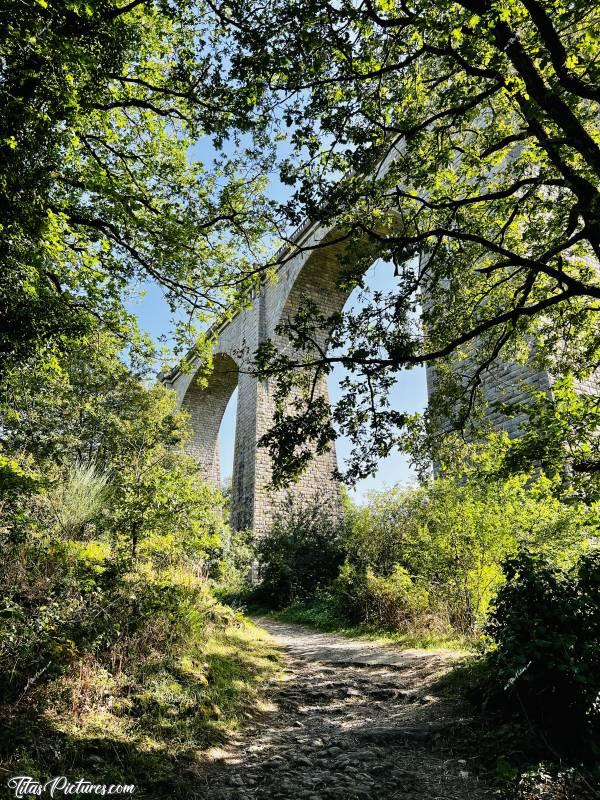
(466, 680)
(149, 731)
(323, 619)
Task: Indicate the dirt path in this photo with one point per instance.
(350, 720)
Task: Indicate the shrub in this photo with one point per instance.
(233, 564)
(114, 654)
(301, 554)
(426, 557)
(160, 508)
(70, 592)
(19, 481)
(452, 536)
(78, 499)
(69, 603)
(55, 607)
(394, 601)
(546, 628)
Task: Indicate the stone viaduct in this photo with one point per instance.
(308, 272)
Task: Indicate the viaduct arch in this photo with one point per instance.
(310, 274)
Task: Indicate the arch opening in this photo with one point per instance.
(227, 433)
(317, 283)
(206, 406)
(409, 393)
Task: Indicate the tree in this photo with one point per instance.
(162, 507)
(86, 406)
(100, 105)
(561, 435)
(110, 449)
(485, 117)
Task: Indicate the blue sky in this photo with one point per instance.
(409, 394)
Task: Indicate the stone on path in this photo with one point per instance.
(351, 720)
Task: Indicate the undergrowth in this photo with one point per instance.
(145, 726)
(323, 618)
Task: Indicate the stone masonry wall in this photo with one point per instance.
(310, 274)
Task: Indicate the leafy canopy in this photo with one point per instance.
(100, 184)
(457, 141)
(110, 450)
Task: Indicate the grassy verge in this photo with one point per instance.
(322, 618)
(149, 730)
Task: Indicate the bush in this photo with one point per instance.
(19, 481)
(118, 668)
(546, 628)
(115, 656)
(64, 603)
(301, 554)
(58, 603)
(419, 558)
(451, 536)
(233, 564)
(395, 601)
(72, 591)
(78, 499)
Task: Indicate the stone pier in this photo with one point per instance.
(309, 274)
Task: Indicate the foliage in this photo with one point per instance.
(115, 656)
(234, 564)
(452, 535)
(546, 627)
(554, 780)
(484, 119)
(63, 601)
(18, 481)
(159, 497)
(99, 187)
(69, 594)
(119, 496)
(423, 558)
(77, 500)
(459, 143)
(301, 553)
(394, 601)
(561, 435)
(86, 406)
(125, 672)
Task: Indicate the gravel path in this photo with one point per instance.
(350, 720)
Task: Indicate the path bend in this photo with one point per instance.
(350, 720)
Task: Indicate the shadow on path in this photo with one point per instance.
(350, 720)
